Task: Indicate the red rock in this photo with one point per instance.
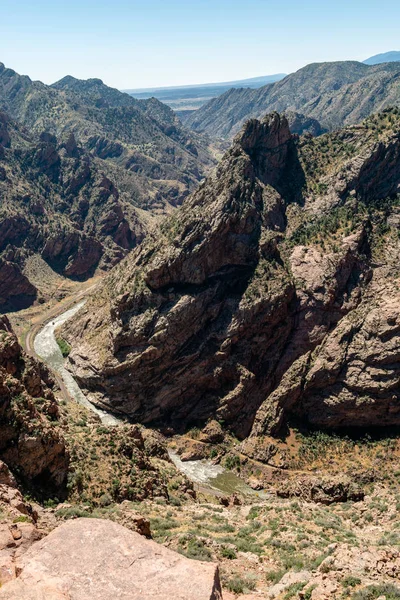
(100, 560)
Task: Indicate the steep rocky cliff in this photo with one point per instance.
(256, 300)
(31, 439)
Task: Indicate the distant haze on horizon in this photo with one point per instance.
(130, 44)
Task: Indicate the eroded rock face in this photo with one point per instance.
(324, 489)
(58, 202)
(352, 378)
(16, 291)
(91, 558)
(30, 439)
(188, 336)
(256, 301)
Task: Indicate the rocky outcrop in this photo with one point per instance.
(323, 489)
(15, 539)
(18, 529)
(16, 291)
(31, 441)
(242, 308)
(212, 433)
(91, 558)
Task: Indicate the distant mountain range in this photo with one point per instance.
(191, 97)
(188, 98)
(378, 59)
(334, 94)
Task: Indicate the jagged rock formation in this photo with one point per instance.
(31, 440)
(335, 94)
(92, 558)
(58, 202)
(255, 301)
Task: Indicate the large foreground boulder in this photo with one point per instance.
(98, 560)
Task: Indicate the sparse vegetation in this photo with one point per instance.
(64, 347)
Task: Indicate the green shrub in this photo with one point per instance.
(275, 576)
(232, 462)
(21, 519)
(350, 581)
(73, 512)
(293, 589)
(371, 592)
(194, 548)
(228, 553)
(105, 500)
(174, 501)
(64, 347)
(241, 585)
(308, 592)
(161, 525)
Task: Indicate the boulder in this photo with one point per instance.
(212, 433)
(98, 559)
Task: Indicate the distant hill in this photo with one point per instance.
(191, 97)
(85, 172)
(378, 59)
(144, 137)
(334, 94)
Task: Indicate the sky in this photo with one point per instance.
(155, 43)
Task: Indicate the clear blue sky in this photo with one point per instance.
(132, 43)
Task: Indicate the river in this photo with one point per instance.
(205, 473)
(202, 472)
(46, 347)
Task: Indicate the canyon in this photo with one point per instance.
(253, 301)
(224, 301)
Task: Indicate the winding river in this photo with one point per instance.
(46, 347)
(202, 472)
